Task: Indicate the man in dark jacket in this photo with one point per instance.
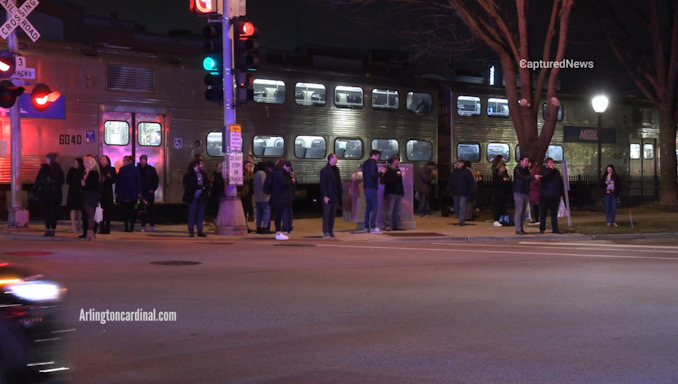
(422, 186)
(551, 193)
(371, 187)
(331, 192)
(149, 183)
(48, 183)
(521, 191)
(461, 185)
(393, 194)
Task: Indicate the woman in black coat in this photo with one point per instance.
(74, 196)
(282, 195)
(49, 181)
(196, 184)
(90, 192)
(108, 178)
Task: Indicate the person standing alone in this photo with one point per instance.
(521, 191)
(331, 192)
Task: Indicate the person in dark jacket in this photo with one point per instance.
(393, 194)
(461, 186)
(196, 184)
(422, 187)
(218, 188)
(127, 191)
(611, 185)
(331, 192)
(149, 183)
(282, 196)
(49, 181)
(108, 178)
(501, 190)
(521, 191)
(550, 195)
(74, 195)
(371, 176)
(90, 193)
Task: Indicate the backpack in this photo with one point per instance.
(268, 183)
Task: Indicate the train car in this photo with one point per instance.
(117, 101)
(475, 125)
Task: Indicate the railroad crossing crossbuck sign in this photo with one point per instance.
(18, 19)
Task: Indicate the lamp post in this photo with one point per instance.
(599, 106)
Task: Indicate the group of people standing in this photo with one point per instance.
(90, 185)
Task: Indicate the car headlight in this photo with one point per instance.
(33, 290)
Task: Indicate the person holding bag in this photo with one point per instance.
(90, 192)
(611, 184)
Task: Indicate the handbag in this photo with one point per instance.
(34, 194)
(562, 210)
(98, 213)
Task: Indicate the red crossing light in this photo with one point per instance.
(205, 7)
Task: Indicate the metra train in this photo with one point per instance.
(117, 102)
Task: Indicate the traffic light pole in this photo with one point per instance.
(17, 215)
(230, 218)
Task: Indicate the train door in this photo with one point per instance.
(135, 134)
(643, 166)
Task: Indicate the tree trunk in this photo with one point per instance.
(667, 155)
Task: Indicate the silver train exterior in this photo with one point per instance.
(118, 102)
(479, 127)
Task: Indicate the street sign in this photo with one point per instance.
(24, 73)
(235, 176)
(18, 19)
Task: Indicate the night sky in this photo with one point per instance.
(283, 24)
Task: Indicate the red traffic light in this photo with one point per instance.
(42, 97)
(244, 30)
(7, 64)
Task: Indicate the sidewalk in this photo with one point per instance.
(433, 228)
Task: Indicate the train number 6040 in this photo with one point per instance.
(70, 139)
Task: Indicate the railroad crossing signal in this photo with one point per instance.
(42, 97)
(18, 19)
(7, 64)
(9, 93)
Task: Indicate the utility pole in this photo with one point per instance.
(17, 215)
(230, 219)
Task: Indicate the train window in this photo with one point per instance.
(560, 112)
(310, 94)
(648, 151)
(497, 107)
(386, 99)
(468, 106)
(148, 134)
(494, 149)
(116, 133)
(635, 151)
(268, 145)
(269, 91)
(309, 147)
(214, 144)
(388, 147)
(419, 102)
(348, 97)
(348, 148)
(470, 152)
(419, 150)
(553, 151)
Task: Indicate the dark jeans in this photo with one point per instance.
(196, 214)
(149, 214)
(50, 209)
(282, 217)
(610, 201)
(549, 203)
(371, 201)
(498, 207)
(329, 213)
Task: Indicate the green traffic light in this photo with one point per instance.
(210, 64)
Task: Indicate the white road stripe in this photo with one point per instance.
(504, 252)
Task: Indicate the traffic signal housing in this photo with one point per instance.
(7, 64)
(205, 7)
(42, 97)
(213, 62)
(245, 60)
(9, 93)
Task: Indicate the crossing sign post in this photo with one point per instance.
(17, 18)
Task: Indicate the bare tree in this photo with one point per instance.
(505, 27)
(643, 34)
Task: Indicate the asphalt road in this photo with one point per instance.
(314, 311)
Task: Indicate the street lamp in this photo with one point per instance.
(599, 106)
